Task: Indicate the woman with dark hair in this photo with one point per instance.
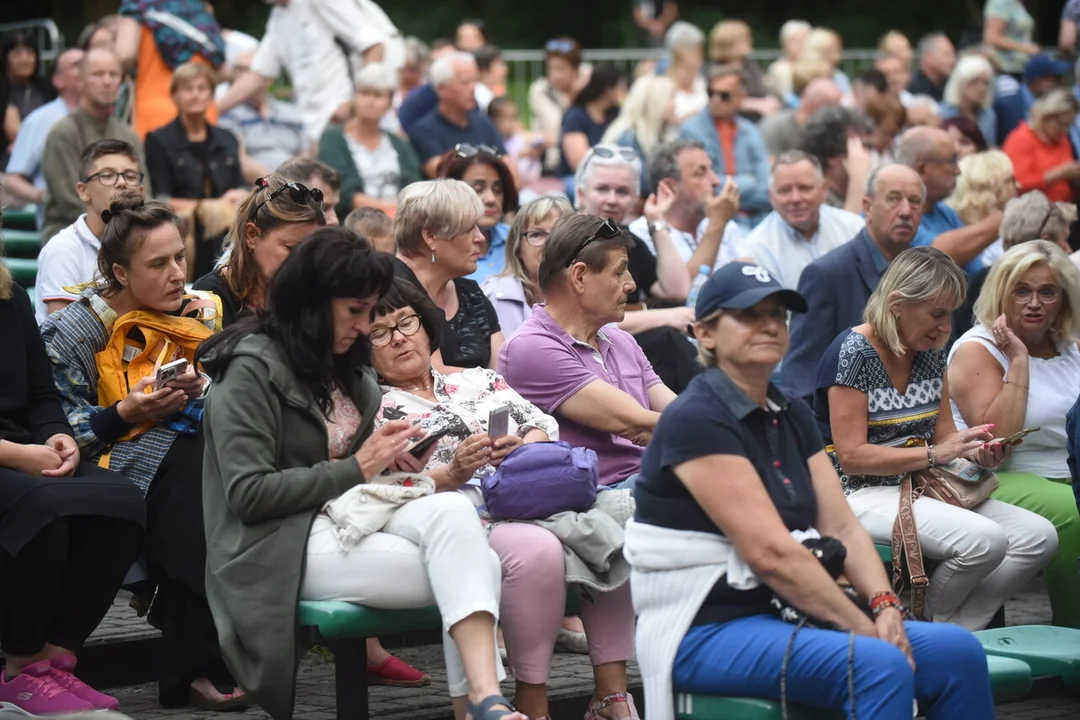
(69, 530)
(21, 90)
(291, 428)
(966, 134)
(588, 117)
(483, 169)
(107, 350)
(550, 96)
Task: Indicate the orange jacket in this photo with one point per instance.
(1032, 157)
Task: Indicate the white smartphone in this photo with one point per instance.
(170, 371)
(499, 422)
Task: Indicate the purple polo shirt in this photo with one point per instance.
(547, 366)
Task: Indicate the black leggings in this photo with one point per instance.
(63, 581)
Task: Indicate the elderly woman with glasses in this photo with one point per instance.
(1019, 368)
(1040, 150)
(439, 244)
(374, 165)
(514, 291)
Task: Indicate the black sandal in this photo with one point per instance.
(485, 711)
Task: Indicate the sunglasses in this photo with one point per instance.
(465, 150)
(298, 193)
(724, 95)
(607, 152)
(608, 230)
(560, 46)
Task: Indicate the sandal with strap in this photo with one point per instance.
(593, 713)
(486, 709)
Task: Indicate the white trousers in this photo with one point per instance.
(432, 552)
(984, 555)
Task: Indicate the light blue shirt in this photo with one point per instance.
(494, 260)
(940, 220)
(785, 252)
(29, 145)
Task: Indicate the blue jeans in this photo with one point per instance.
(742, 658)
(627, 484)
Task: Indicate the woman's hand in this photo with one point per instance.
(384, 446)
(36, 460)
(991, 455)
(961, 443)
(472, 454)
(189, 381)
(68, 450)
(1006, 339)
(139, 407)
(890, 628)
(503, 447)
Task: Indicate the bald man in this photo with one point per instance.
(931, 153)
(781, 131)
(23, 178)
(838, 285)
(92, 120)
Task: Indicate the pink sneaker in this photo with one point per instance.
(63, 672)
(35, 692)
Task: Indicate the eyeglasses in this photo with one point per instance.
(560, 46)
(607, 231)
(607, 152)
(108, 178)
(1046, 220)
(407, 326)
(724, 95)
(298, 193)
(465, 150)
(536, 238)
(954, 160)
(1046, 295)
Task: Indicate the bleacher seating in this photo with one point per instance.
(21, 244)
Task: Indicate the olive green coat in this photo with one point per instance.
(266, 474)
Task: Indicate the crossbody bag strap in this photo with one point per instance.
(907, 550)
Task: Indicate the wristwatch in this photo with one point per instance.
(659, 226)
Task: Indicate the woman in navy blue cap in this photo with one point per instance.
(741, 528)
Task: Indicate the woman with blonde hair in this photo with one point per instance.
(825, 43)
(792, 35)
(1017, 368)
(1040, 150)
(647, 118)
(883, 398)
(730, 43)
(986, 183)
(970, 93)
(686, 43)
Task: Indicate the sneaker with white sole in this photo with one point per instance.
(35, 693)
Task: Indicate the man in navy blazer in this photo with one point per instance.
(837, 286)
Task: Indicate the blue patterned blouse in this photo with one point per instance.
(894, 419)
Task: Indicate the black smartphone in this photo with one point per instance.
(420, 449)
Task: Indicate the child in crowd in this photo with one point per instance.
(526, 148)
(374, 225)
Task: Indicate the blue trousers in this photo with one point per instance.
(743, 658)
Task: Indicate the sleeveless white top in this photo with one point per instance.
(1053, 388)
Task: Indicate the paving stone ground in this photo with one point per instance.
(570, 677)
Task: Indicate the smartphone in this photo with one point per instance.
(420, 449)
(1017, 436)
(169, 371)
(499, 422)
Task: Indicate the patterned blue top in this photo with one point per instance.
(893, 419)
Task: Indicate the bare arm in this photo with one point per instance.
(639, 321)
(982, 396)
(720, 209)
(246, 86)
(431, 167)
(497, 341)
(128, 35)
(574, 147)
(19, 187)
(965, 244)
(731, 493)
(606, 408)
(12, 122)
(672, 281)
(660, 396)
(1067, 37)
(994, 36)
(848, 420)
(52, 306)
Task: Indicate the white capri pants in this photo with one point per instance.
(432, 552)
(984, 555)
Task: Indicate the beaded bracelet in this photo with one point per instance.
(890, 603)
(931, 455)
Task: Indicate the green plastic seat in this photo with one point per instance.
(20, 243)
(338, 620)
(1010, 679)
(24, 218)
(22, 269)
(692, 706)
(1049, 651)
(884, 552)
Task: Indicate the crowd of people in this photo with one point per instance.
(753, 311)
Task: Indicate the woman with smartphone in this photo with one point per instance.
(107, 349)
(1019, 368)
(479, 420)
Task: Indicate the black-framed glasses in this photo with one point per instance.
(108, 178)
(1046, 220)
(467, 150)
(608, 230)
(724, 95)
(558, 45)
(299, 193)
(535, 238)
(407, 326)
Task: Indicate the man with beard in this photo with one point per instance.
(802, 228)
(837, 286)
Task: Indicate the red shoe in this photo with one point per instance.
(397, 673)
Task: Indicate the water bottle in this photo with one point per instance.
(695, 287)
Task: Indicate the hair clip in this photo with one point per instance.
(262, 183)
(106, 216)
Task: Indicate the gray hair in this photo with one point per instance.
(683, 34)
(1030, 217)
(376, 76)
(792, 28)
(592, 160)
(917, 101)
(1056, 102)
(969, 68)
(870, 189)
(444, 69)
(665, 161)
(927, 42)
(791, 157)
(416, 51)
(915, 147)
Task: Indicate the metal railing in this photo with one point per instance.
(46, 38)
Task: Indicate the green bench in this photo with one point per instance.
(22, 218)
(24, 270)
(20, 243)
(1049, 651)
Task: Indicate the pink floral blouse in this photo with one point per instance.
(342, 425)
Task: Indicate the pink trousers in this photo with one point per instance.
(534, 602)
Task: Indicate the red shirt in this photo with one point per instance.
(1031, 157)
(725, 130)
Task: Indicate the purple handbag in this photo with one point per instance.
(541, 479)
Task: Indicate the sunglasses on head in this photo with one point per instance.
(724, 95)
(298, 193)
(607, 152)
(465, 150)
(608, 230)
(560, 46)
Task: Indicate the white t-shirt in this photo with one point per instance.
(70, 258)
(686, 244)
(1053, 386)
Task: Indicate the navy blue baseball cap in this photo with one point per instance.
(1043, 65)
(740, 285)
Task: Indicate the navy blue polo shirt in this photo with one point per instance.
(714, 417)
(433, 134)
